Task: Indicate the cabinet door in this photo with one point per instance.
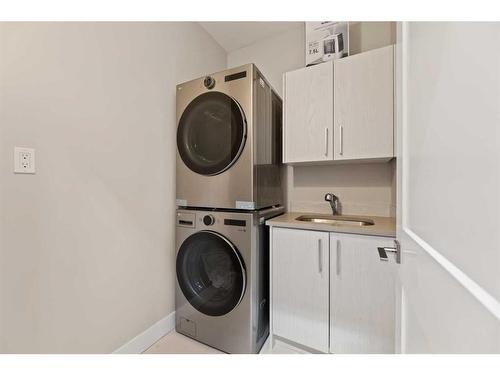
(308, 114)
(364, 105)
(300, 286)
(362, 295)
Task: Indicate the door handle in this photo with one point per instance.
(326, 141)
(320, 256)
(382, 252)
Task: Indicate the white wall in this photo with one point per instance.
(87, 244)
(367, 189)
(364, 36)
(273, 56)
(363, 189)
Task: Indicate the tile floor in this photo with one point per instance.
(175, 343)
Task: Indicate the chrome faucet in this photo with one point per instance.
(334, 203)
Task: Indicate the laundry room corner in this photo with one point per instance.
(201, 187)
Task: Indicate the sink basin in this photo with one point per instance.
(336, 220)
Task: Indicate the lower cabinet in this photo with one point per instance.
(331, 293)
(362, 295)
(300, 287)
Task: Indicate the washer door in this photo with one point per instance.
(211, 273)
(211, 133)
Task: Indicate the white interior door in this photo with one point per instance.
(449, 186)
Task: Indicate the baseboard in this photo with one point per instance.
(147, 338)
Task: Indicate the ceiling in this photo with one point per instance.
(234, 35)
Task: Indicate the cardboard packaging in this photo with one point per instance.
(325, 41)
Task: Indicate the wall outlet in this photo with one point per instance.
(24, 160)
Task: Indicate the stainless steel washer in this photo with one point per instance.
(222, 268)
(229, 128)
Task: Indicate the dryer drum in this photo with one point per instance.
(211, 133)
(211, 273)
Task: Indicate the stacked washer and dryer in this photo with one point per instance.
(228, 184)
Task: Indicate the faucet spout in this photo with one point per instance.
(334, 202)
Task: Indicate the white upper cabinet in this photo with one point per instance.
(364, 105)
(308, 114)
(341, 110)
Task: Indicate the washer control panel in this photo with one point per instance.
(235, 223)
(185, 219)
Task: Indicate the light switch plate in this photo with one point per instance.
(24, 160)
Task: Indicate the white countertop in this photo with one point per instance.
(383, 226)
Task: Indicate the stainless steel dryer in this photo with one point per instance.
(229, 128)
(222, 267)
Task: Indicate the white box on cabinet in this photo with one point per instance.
(323, 38)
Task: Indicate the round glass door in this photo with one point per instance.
(211, 273)
(211, 133)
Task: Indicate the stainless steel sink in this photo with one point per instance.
(336, 220)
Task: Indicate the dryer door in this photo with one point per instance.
(211, 273)
(211, 133)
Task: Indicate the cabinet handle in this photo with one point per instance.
(326, 141)
(283, 122)
(341, 140)
(320, 256)
(337, 263)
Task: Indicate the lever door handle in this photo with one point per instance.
(382, 252)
